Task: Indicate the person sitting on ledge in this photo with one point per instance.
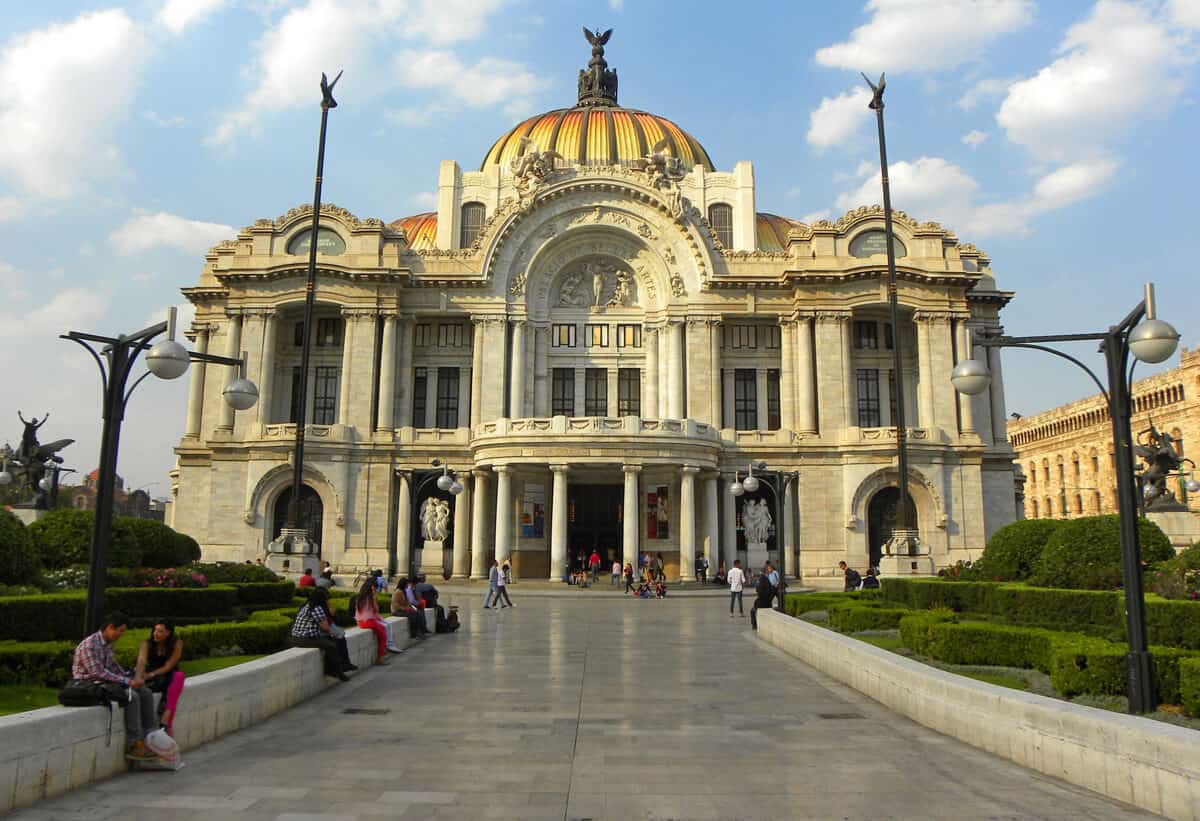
(871, 580)
(326, 580)
(660, 589)
(307, 579)
(719, 578)
(404, 605)
(427, 594)
(314, 627)
(94, 661)
(366, 616)
(158, 664)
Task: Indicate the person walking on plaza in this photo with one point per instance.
(701, 569)
(94, 662)
(737, 580)
(594, 566)
(493, 575)
(853, 580)
(158, 664)
(616, 573)
(628, 577)
(773, 577)
(643, 565)
(660, 574)
(502, 586)
(764, 594)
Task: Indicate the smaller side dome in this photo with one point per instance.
(421, 230)
(771, 231)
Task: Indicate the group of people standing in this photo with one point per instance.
(766, 589)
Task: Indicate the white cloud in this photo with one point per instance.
(929, 186)
(63, 90)
(147, 231)
(984, 89)
(815, 216)
(974, 137)
(164, 122)
(1118, 65)
(11, 208)
(836, 119)
(177, 15)
(901, 34)
(1072, 183)
(486, 83)
(1185, 13)
(415, 116)
(448, 21)
(616, 5)
(425, 199)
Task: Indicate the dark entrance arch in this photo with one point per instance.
(881, 520)
(310, 515)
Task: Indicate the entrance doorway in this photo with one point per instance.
(594, 523)
(881, 520)
(309, 516)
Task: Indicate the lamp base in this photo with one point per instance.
(903, 555)
(292, 546)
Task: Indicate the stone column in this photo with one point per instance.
(477, 375)
(266, 369)
(541, 371)
(728, 520)
(558, 524)
(650, 408)
(387, 376)
(462, 528)
(664, 370)
(712, 523)
(675, 373)
(966, 408)
(404, 523)
(631, 513)
(687, 521)
(787, 375)
(350, 325)
(233, 349)
(714, 380)
(924, 372)
(848, 372)
(789, 529)
(479, 552)
(516, 390)
(996, 394)
(806, 400)
(504, 512)
(405, 394)
(195, 413)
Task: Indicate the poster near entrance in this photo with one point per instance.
(533, 511)
(657, 511)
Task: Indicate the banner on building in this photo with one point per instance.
(657, 514)
(533, 511)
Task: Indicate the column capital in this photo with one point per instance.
(265, 311)
(489, 320)
(631, 468)
(556, 467)
(234, 313)
(691, 470)
(359, 313)
(933, 316)
(479, 473)
(704, 321)
(832, 316)
(502, 470)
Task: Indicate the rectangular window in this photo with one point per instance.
(595, 392)
(629, 391)
(892, 397)
(329, 332)
(868, 398)
(596, 336)
(450, 336)
(563, 336)
(294, 413)
(447, 397)
(865, 335)
(325, 395)
(629, 336)
(745, 399)
(420, 395)
(422, 334)
(298, 334)
(888, 341)
(773, 421)
(562, 397)
(740, 336)
(770, 335)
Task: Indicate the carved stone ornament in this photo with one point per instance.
(571, 293)
(518, 284)
(530, 169)
(677, 286)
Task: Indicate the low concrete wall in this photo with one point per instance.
(49, 751)
(1146, 763)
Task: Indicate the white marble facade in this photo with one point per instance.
(595, 332)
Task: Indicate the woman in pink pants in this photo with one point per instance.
(158, 663)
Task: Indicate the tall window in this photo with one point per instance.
(596, 336)
(720, 217)
(770, 337)
(773, 420)
(294, 413)
(422, 335)
(329, 331)
(629, 392)
(298, 334)
(563, 336)
(866, 336)
(595, 392)
(745, 399)
(888, 341)
(420, 395)
(447, 398)
(1035, 508)
(325, 395)
(450, 336)
(629, 336)
(868, 398)
(562, 396)
(892, 398)
(740, 336)
(472, 221)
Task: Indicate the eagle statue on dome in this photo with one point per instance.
(597, 83)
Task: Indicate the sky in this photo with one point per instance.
(1057, 136)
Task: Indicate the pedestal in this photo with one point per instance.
(1181, 526)
(903, 555)
(431, 558)
(756, 555)
(294, 547)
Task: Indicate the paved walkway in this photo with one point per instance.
(587, 709)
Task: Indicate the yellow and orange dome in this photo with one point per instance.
(599, 135)
(421, 230)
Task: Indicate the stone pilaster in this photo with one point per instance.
(195, 413)
(687, 521)
(504, 513)
(387, 376)
(996, 394)
(516, 391)
(558, 524)
(787, 375)
(631, 517)
(233, 350)
(541, 371)
(477, 343)
(650, 406)
(966, 407)
(728, 520)
(806, 400)
(924, 322)
(405, 395)
(479, 512)
(790, 567)
(266, 370)
(462, 528)
(349, 330)
(831, 356)
(712, 523)
(404, 534)
(675, 387)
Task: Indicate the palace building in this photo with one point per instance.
(596, 331)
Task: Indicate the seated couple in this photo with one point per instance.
(406, 602)
(157, 671)
(648, 589)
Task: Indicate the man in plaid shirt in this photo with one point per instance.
(94, 661)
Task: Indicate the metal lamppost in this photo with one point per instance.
(167, 359)
(905, 541)
(769, 479)
(292, 534)
(1149, 340)
(446, 481)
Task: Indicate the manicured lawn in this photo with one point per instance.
(197, 666)
(18, 698)
(891, 643)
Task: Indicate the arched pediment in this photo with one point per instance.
(279, 479)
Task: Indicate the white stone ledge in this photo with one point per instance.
(46, 752)
(1149, 764)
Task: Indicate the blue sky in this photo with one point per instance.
(1057, 136)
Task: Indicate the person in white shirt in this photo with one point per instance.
(616, 573)
(737, 580)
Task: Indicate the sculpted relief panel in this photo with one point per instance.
(596, 284)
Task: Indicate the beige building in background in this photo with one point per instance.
(1066, 453)
(596, 329)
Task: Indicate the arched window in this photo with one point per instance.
(720, 217)
(1078, 504)
(472, 220)
(1035, 509)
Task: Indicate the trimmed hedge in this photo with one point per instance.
(278, 593)
(18, 561)
(916, 629)
(264, 632)
(797, 603)
(1015, 548)
(63, 537)
(854, 618)
(234, 573)
(49, 617)
(47, 663)
(150, 602)
(1085, 553)
(1189, 685)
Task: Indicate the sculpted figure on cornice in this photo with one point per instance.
(661, 168)
(329, 210)
(531, 168)
(856, 214)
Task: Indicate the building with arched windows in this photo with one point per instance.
(596, 330)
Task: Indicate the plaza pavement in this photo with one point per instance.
(586, 709)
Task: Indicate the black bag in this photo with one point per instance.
(81, 693)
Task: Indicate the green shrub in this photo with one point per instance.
(256, 636)
(18, 560)
(1093, 667)
(1085, 553)
(187, 549)
(925, 594)
(1177, 577)
(62, 537)
(1189, 685)
(853, 618)
(1015, 548)
(998, 645)
(155, 602)
(916, 629)
(277, 593)
(797, 603)
(50, 617)
(233, 572)
(46, 663)
(155, 544)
